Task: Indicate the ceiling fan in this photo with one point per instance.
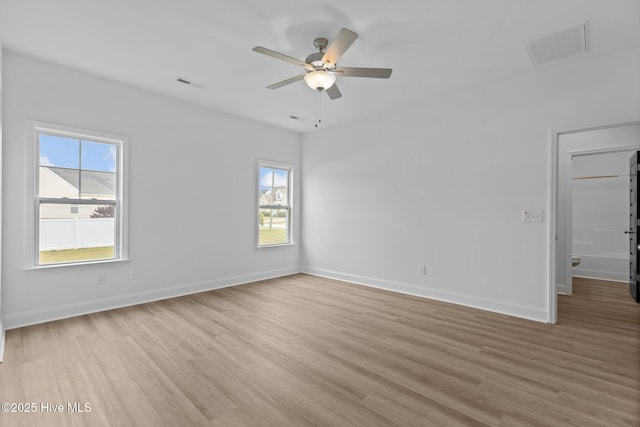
(321, 67)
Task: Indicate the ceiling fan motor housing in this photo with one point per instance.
(321, 43)
(315, 59)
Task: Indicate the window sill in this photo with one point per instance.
(76, 264)
(279, 245)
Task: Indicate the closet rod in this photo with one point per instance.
(600, 176)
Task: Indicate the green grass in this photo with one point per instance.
(273, 236)
(72, 255)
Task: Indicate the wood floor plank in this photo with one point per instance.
(308, 351)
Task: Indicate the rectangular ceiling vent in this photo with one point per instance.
(189, 82)
(560, 45)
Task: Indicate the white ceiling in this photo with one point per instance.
(434, 46)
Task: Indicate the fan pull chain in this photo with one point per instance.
(318, 99)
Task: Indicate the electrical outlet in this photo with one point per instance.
(422, 269)
(133, 275)
(101, 279)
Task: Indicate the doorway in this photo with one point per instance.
(595, 147)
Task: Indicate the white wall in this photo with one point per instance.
(1, 173)
(192, 207)
(579, 154)
(443, 184)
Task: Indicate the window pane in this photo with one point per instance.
(273, 187)
(59, 151)
(273, 196)
(72, 233)
(98, 185)
(266, 177)
(264, 198)
(98, 156)
(58, 182)
(280, 196)
(280, 178)
(273, 224)
(73, 171)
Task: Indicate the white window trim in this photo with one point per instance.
(122, 233)
(291, 169)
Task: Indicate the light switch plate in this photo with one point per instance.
(532, 216)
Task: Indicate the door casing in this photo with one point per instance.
(633, 226)
(554, 142)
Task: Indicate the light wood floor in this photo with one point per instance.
(306, 351)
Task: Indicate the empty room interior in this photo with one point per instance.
(319, 213)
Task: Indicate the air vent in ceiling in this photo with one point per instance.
(560, 45)
(189, 82)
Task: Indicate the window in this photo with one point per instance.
(78, 197)
(274, 204)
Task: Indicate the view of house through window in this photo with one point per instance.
(274, 209)
(77, 198)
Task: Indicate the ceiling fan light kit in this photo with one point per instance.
(319, 79)
(321, 67)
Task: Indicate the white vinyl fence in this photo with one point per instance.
(73, 233)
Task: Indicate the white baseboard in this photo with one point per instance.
(602, 275)
(601, 267)
(18, 320)
(503, 307)
(561, 288)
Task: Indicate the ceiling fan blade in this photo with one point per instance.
(286, 82)
(333, 92)
(282, 57)
(343, 40)
(376, 73)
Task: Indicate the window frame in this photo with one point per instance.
(289, 206)
(34, 201)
